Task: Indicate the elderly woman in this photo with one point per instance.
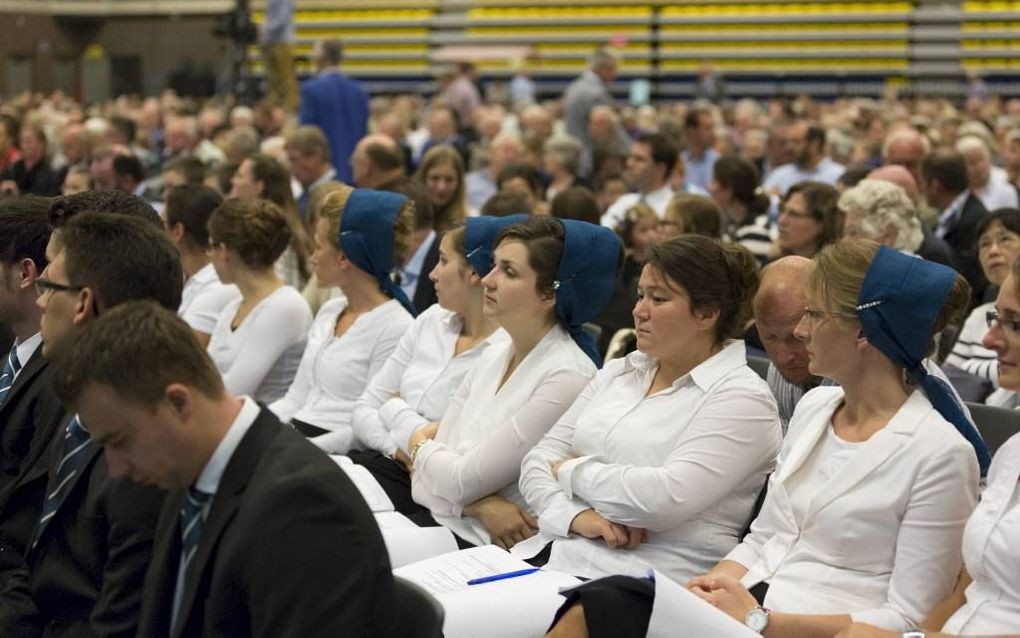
(881, 211)
(561, 160)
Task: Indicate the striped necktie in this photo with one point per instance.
(192, 520)
(11, 367)
(74, 451)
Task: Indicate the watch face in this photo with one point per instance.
(757, 619)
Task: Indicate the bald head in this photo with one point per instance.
(377, 160)
(899, 175)
(778, 307)
(907, 148)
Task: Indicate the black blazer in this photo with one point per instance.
(425, 291)
(30, 418)
(962, 239)
(288, 548)
(85, 575)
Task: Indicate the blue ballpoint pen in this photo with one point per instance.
(490, 579)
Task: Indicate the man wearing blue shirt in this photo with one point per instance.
(807, 142)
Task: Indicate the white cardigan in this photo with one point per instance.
(881, 540)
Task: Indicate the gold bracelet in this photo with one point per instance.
(416, 448)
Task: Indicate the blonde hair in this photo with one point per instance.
(456, 209)
(332, 211)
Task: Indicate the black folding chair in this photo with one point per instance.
(995, 424)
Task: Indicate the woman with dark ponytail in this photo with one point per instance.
(666, 450)
(736, 187)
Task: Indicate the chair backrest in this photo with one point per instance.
(995, 424)
(419, 615)
(759, 365)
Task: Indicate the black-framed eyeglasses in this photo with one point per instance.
(815, 314)
(42, 286)
(992, 317)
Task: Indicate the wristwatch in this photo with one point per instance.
(757, 619)
(914, 633)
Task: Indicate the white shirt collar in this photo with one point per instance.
(27, 348)
(705, 373)
(209, 480)
(330, 174)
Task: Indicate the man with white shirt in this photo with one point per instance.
(994, 190)
(261, 533)
(309, 158)
(806, 142)
(28, 408)
(699, 157)
(188, 209)
(649, 166)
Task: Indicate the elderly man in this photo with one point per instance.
(506, 148)
(308, 156)
(994, 192)
(588, 91)
(377, 162)
(778, 307)
(907, 148)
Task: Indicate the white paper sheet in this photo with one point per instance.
(675, 607)
(523, 606)
(408, 545)
(371, 491)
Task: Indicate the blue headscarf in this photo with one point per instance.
(479, 234)
(900, 299)
(366, 237)
(584, 279)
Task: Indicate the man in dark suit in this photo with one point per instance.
(262, 534)
(960, 212)
(336, 104)
(27, 404)
(423, 255)
(90, 543)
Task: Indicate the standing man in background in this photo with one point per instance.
(276, 39)
(336, 104)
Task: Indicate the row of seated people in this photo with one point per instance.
(533, 430)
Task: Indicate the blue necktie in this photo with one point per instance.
(11, 367)
(76, 446)
(191, 532)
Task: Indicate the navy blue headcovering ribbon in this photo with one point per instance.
(900, 299)
(366, 237)
(479, 234)
(584, 279)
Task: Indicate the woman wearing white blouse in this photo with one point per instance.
(659, 462)
(986, 601)
(258, 339)
(876, 479)
(550, 276)
(357, 234)
(415, 384)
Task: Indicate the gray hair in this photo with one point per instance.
(602, 57)
(879, 206)
(567, 151)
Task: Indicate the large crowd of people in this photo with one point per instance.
(531, 324)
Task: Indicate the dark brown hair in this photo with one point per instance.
(716, 275)
(543, 237)
(820, 200)
(153, 339)
(255, 229)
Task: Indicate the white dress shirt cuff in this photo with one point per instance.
(338, 442)
(556, 518)
(401, 421)
(565, 476)
(745, 555)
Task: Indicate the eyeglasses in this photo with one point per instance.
(1002, 239)
(814, 314)
(43, 286)
(1009, 326)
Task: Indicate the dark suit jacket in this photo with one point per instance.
(339, 106)
(425, 291)
(962, 238)
(85, 576)
(29, 420)
(288, 548)
(934, 249)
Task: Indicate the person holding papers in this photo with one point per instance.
(659, 462)
(415, 384)
(866, 509)
(246, 542)
(550, 276)
(357, 235)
